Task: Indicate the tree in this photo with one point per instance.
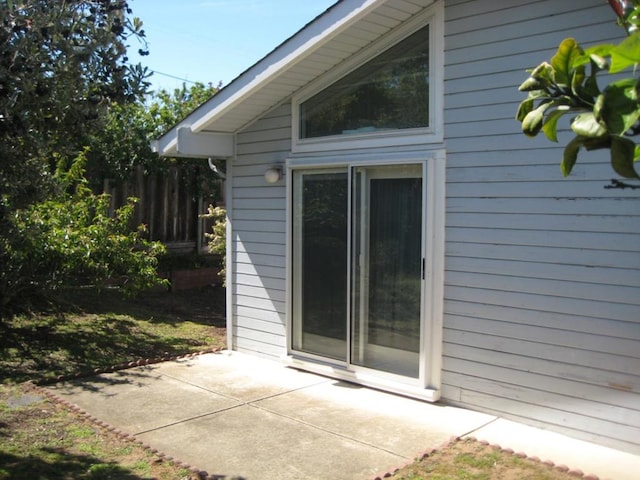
(62, 64)
(605, 118)
(124, 141)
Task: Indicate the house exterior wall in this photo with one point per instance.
(258, 261)
(542, 282)
(542, 290)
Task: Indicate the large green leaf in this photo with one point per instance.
(622, 156)
(568, 56)
(550, 126)
(618, 107)
(602, 50)
(625, 54)
(586, 125)
(570, 156)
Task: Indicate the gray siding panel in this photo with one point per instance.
(542, 290)
(259, 229)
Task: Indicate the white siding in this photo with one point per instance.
(258, 225)
(542, 282)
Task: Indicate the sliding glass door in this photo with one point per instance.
(358, 248)
(387, 269)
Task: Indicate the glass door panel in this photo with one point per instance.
(387, 268)
(320, 263)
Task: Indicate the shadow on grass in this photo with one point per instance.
(55, 464)
(97, 331)
(201, 305)
(140, 377)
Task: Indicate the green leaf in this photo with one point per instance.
(524, 108)
(551, 123)
(622, 156)
(570, 156)
(577, 78)
(597, 53)
(568, 56)
(626, 53)
(586, 125)
(531, 84)
(620, 109)
(532, 122)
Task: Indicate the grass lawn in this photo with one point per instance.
(43, 440)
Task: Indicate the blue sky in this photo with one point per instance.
(215, 40)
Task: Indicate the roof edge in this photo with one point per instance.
(312, 36)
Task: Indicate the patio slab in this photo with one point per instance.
(138, 399)
(251, 443)
(241, 417)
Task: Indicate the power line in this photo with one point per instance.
(174, 77)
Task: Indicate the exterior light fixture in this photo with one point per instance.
(273, 174)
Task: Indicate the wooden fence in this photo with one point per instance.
(169, 204)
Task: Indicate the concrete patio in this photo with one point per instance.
(241, 417)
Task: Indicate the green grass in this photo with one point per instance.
(96, 331)
(42, 440)
(470, 460)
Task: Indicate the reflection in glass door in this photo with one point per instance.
(387, 269)
(320, 263)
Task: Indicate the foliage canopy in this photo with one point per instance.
(62, 64)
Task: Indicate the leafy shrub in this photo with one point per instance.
(218, 239)
(71, 239)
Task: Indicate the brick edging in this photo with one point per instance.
(562, 468)
(40, 388)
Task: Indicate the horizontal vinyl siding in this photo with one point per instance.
(259, 230)
(542, 282)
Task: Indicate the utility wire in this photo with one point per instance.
(174, 77)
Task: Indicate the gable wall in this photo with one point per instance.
(542, 283)
(542, 290)
(259, 229)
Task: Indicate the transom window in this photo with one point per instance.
(390, 92)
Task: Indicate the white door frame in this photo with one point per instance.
(428, 385)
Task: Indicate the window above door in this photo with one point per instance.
(390, 94)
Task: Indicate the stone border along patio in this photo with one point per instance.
(561, 468)
(39, 388)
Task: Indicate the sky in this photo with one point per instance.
(213, 41)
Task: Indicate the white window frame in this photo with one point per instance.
(434, 133)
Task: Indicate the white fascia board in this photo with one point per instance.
(302, 44)
(165, 146)
(204, 145)
(182, 142)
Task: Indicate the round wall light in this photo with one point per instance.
(273, 174)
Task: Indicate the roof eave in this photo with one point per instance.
(311, 37)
